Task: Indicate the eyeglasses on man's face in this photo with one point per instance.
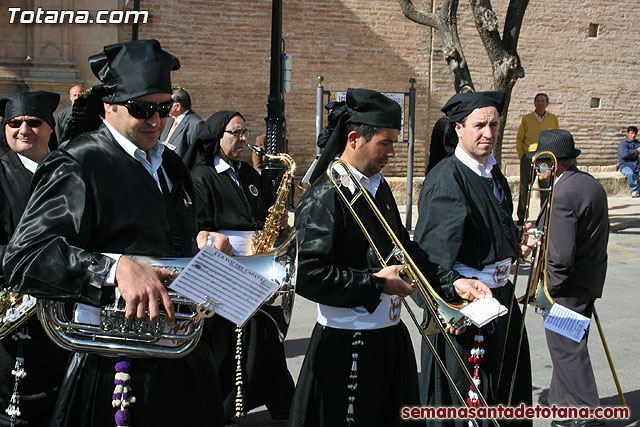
(238, 132)
(32, 123)
(146, 109)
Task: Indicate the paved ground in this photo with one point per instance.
(618, 312)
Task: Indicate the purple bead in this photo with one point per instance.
(123, 364)
(123, 417)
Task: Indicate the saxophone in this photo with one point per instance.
(266, 239)
(279, 306)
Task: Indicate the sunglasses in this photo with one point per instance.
(146, 109)
(32, 123)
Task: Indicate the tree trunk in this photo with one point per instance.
(502, 51)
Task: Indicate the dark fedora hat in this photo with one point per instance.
(559, 142)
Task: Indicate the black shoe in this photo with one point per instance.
(230, 423)
(543, 400)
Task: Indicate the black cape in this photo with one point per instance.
(92, 197)
(266, 379)
(461, 220)
(44, 362)
(335, 267)
(224, 205)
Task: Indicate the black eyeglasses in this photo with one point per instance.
(146, 109)
(238, 132)
(32, 123)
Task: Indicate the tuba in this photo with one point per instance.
(442, 314)
(15, 309)
(116, 335)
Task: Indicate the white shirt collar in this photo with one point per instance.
(540, 118)
(155, 154)
(222, 165)
(370, 183)
(477, 167)
(181, 116)
(29, 164)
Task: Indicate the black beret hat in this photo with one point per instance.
(363, 107)
(369, 107)
(40, 104)
(559, 142)
(461, 105)
(133, 69)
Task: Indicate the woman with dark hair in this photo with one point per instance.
(232, 198)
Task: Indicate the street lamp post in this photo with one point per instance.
(273, 171)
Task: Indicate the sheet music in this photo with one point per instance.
(566, 322)
(307, 176)
(237, 290)
(483, 310)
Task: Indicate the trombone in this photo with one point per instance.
(536, 293)
(443, 314)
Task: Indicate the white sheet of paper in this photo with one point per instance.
(566, 322)
(307, 176)
(483, 310)
(237, 290)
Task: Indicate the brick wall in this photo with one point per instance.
(224, 47)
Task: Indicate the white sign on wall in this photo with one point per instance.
(340, 95)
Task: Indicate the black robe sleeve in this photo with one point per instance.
(15, 181)
(45, 256)
(334, 262)
(440, 232)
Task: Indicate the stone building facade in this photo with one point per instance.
(224, 48)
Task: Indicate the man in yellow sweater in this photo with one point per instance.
(527, 143)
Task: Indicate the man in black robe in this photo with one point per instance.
(465, 226)
(233, 199)
(28, 129)
(109, 192)
(359, 368)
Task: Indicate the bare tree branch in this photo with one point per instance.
(446, 25)
(513, 23)
(487, 26)
(502, 51)
(419, 16)
(452, 48)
